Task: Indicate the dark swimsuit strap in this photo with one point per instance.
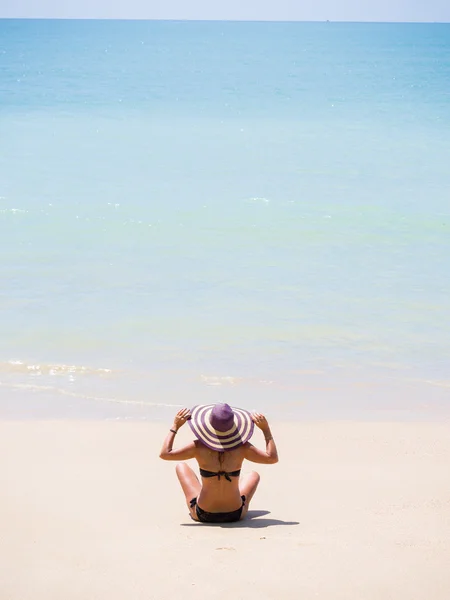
(227, 476)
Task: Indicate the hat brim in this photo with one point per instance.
(221, 441)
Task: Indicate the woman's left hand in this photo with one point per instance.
(181, 417)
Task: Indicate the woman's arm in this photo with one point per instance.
(270, 456)
(188, 451)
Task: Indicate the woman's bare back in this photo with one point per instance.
(220, 493)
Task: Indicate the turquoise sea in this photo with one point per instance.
(256, 213)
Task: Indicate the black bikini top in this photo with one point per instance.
(227, 476)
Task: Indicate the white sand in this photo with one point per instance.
(356, 511)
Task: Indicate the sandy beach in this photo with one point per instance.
(352, 510)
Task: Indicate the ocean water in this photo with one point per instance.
(256, 213)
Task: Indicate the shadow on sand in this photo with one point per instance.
(253, 520)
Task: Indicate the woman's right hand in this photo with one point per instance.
(181, 417)
(260, 421)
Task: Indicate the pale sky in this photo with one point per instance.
(258, 10)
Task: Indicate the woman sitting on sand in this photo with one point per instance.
(220, 448)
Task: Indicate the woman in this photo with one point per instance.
(220, 448)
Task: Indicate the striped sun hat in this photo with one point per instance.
(221, 427)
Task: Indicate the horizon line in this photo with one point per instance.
(192, 20)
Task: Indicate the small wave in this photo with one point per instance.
(437, 383)
(232, 381)
(258, 199)
(12, 210)
(17, 366)
(49, 388)
(212, 380)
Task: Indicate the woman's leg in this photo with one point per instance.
(190, 484)
(247, 487)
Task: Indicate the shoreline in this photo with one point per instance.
(306, 400)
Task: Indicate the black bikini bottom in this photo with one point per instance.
(217, 517)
